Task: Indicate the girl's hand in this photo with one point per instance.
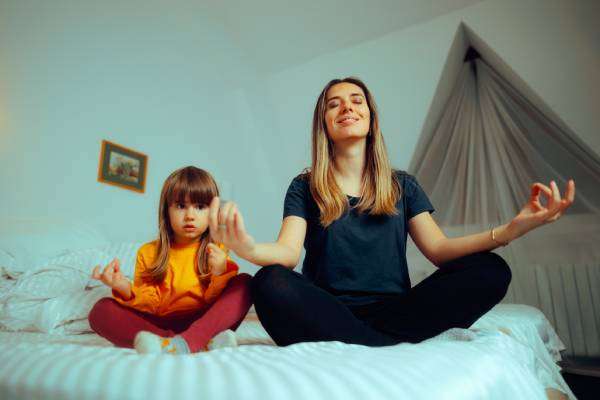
(534, 214)
(112, 276)
(217, 259)
(226, 226)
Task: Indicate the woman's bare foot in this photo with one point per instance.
(554, 394)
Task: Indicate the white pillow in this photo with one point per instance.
(35, 314)
(67, 308)
(7, 264)
(26, 244)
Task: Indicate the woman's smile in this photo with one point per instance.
(346, 121)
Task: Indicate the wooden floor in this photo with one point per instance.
(582, 376)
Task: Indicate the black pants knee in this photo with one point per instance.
(454, 296)
(293, 310)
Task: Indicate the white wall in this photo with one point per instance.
(165, 79)
(157, 78)
(552, 45)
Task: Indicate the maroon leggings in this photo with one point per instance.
(119, 324)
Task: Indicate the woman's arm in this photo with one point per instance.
(438, 248)
(288, 247)
(227, 226)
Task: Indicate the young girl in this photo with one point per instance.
(186, 290)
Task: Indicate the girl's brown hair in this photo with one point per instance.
(379, 188)
(198, 186)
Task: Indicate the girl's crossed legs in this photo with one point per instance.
(120, 324)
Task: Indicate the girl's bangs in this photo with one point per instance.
(197, 188)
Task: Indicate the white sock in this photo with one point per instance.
(149, 343)
(223, 339)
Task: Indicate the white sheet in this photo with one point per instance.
(527, 325)
(491, 366)
(481, 363)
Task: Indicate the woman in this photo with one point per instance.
(353, 213)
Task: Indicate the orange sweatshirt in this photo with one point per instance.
(181, 291)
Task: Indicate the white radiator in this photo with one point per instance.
(569, 296)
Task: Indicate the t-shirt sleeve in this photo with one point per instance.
(416, 199)
(296, 198)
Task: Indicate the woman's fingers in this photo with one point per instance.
(558, 204)
(223, 211)
(230, 221)
(213, 218)
(570, 196)
(536, 189)
(553, 215)
(567, 201)
(572, 190)
(240, 229)
(555, 200)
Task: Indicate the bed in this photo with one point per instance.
(47, 350)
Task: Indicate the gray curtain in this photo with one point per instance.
(490, 145)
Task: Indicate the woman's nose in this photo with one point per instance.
(346, 107)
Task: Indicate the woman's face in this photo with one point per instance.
(347, 115)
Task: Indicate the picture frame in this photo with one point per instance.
(122, 167)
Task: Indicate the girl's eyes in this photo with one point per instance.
(181, 206)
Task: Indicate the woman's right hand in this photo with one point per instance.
(226, 226)
(111, 276)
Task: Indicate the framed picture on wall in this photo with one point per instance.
(122, 167)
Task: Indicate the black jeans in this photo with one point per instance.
(292, 309)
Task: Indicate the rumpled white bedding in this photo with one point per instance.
(55, 298)
(491, 365)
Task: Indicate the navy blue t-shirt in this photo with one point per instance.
(359, 258)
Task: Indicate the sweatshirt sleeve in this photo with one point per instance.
(218, 282)
(145, 296)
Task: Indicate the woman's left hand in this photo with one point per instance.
(535, 214)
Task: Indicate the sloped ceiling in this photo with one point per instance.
(273, 35)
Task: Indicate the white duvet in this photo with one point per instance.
(510, 353)
(490, 366)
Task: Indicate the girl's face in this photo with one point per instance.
(188, 221)
(347, 115)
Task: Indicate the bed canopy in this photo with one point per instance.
(490, 143)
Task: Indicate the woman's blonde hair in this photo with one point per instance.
(199, 187)
(379, 188)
